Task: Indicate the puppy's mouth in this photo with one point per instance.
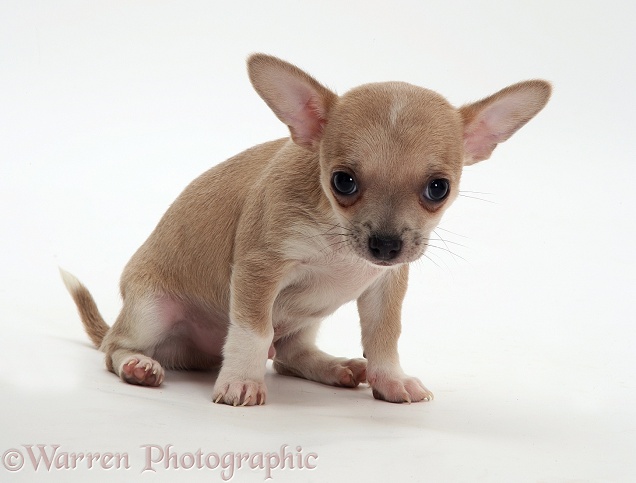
(380, 263)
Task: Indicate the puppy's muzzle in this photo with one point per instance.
(384, 248)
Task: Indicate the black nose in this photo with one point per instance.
(384, 247)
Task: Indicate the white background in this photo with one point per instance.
(525, 334)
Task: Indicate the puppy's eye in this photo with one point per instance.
(436, 190)
(344, 183)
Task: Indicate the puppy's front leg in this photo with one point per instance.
(254, 287)
(380, 309)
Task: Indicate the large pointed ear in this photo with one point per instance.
(493, 120)
(296, 98)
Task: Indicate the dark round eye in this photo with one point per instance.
(436, 190)
(343, 183)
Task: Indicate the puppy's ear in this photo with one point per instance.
(494, 119)
(295, 97)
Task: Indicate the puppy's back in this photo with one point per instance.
(190, 250)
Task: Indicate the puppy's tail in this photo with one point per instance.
(94, 323)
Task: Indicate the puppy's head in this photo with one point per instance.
(391, 154)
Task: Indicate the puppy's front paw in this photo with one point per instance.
(399, 389)
(240, 393)
(141, 370)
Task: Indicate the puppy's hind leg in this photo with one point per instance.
(131, 342)
(297, 355)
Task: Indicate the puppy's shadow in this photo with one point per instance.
(197, 385)
(283, 391)
(185, 378)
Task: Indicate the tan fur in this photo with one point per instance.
(94, 323)
(257, 250)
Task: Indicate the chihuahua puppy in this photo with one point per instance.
(258, 250)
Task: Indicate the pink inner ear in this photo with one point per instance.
(304, 112)
(480, 140)
(307, 122)
(296, 98)
(495, 124)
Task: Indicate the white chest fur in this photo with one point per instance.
(315, 289)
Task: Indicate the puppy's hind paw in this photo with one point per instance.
(350, 372)
(142, 370)
(240, 393)
(334, 371)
